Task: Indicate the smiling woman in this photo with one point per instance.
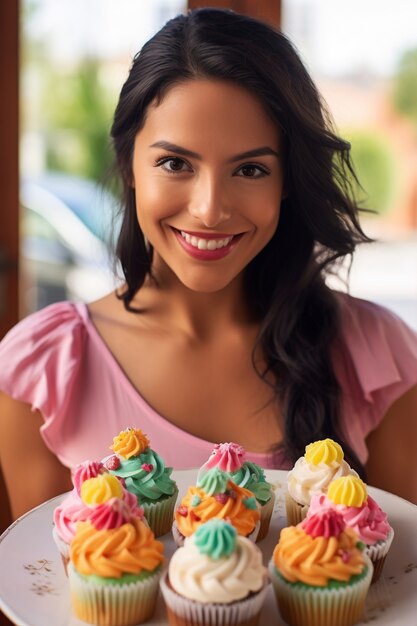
(236, 204)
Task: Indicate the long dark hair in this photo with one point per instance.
(319, 217)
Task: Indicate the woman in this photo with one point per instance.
(236, 205)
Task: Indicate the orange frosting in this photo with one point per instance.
(130, 442)
(189, 517)
(314, 561)
(128, 549)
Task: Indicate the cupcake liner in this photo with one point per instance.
(266, 514)
(295, 512)
(179, 537)
(378, 553)
(185, 612)
(317, 606)
(113, 605)
(160, 514)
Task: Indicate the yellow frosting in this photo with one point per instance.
(130, 442)
(100, 489)
(242, 518)
(314, 561)
(347, 490)
(111, 553)
(324, 451)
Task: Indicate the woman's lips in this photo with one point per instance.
(206, 246)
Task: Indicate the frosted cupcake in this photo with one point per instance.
(74, 508)
(216, 579)
(146, 476)
(216, 497)
(230, 458)
(349, 497)
(115, 566)
(319, 572)
(312, 473)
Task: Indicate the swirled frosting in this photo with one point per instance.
(309, 477)
(316, 560)
(198, 575)
(130, 442)
(230, 457)
(142, 469)
(110, 553)
(369, 521)
(100, 489)
(347, 490)
(86, 470)
(236, 504)
(72, 510)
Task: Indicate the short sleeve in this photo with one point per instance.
(40, 358)
(380, 359)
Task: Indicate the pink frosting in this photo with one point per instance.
(73, 510)
(324, 523)
(228, 457)
(369, 521)
(86, 470)
(111, 514)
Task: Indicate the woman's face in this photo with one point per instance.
(207, 171)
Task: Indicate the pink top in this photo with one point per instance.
(56, 361)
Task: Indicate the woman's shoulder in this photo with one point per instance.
(379, 346)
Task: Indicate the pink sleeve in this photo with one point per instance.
(383, 356)
(40, 358)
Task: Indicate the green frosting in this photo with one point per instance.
(250, 503)
(252, 477)
(125, 579)
(216, 538)
(146, 485)
(214, 481)
(332, 584)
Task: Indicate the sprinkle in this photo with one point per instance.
(148, 467)
(112, 463)
(221, 497)
(250, 503)
(345, 556)
(182, 510)
(232, 494)
(194, 517)
(195, 500)
(360, 545)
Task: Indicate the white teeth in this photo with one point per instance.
(206, 244)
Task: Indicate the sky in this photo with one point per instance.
(334, 36)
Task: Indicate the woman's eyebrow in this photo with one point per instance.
(172, 147)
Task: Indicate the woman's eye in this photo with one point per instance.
(251, 170)
(173, 165)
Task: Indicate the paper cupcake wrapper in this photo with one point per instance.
(242, 612)
(160, 514)
(295, 512)
(378, 553)
(179, 537)
(266, 514)
(313, 606)
(113, 605)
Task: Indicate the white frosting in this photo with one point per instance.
(307, 479)
(198, 577)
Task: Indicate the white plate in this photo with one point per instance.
(34, 589)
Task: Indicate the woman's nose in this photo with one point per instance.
(209, 203)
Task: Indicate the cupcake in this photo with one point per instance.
(348, 496)
(312, 473)
(216, 579)
(74, 509)
(115, 566)
(320, 573)
(230, 458)
(146, 476)
(216, 497)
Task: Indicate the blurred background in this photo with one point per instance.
(74, 58)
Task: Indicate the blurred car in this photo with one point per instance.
(66, 226)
